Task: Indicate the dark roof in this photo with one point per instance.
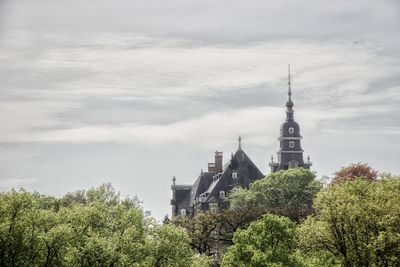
(247, 172)
(200, 185)
(212, 183)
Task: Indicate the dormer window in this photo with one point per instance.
(183, 212)
(222, 194)
(291, 144)
(234, 175)
(291, 130)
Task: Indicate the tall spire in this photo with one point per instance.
(289, 84)
(289, 103)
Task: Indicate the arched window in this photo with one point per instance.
(293, 164)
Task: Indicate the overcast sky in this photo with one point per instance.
(135, 92)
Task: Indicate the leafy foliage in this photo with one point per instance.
(354, 171)
(215, 229)
(357, 224)
(267, 242)
(288, 193)
(86, 228)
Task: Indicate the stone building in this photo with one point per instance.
(211, 187)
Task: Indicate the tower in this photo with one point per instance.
(290, 154)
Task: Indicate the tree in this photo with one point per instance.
(288, 193)
(215, 229)
(170, 247)
(354, 171)
(199, 260)
(267, 242)
(90, 228)
(166, 220)
(356, 224)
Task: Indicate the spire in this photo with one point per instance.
(289, 103)
(240, 143)
(290, 91)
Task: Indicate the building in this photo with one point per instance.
(290, 154)
(211, 187)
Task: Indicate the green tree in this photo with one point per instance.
(90, 228)
(356, 224)
(287, 193)
(170, 247)
(199, 260)
(267, 242)
(213, 229)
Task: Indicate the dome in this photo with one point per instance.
(289, 103)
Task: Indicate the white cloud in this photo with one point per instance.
(113, 91)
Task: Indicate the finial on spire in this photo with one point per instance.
(289, 83)
(173, 180)
(240, 142)
(289, 103)
(272, 158)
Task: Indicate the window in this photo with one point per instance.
(293, 164)
(291, 144)
(222, 194)
(291, 130)
(234, 175)
(183, 212)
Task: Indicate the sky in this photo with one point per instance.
(136, 92)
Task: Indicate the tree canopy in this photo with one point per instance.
(355, 171)
(357, 224)
(86, 228)
(267, 242)
(288, 193)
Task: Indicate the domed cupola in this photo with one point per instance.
(290, 154)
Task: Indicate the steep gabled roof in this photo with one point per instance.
(201, 184)
(247, 172)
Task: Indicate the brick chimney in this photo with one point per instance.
(218, 161)
(211, 167)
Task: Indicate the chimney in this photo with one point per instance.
(218, 162)
(211, 167)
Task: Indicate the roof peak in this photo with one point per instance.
(289, 103)
(240, 143)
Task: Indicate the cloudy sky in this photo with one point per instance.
(135, 92)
